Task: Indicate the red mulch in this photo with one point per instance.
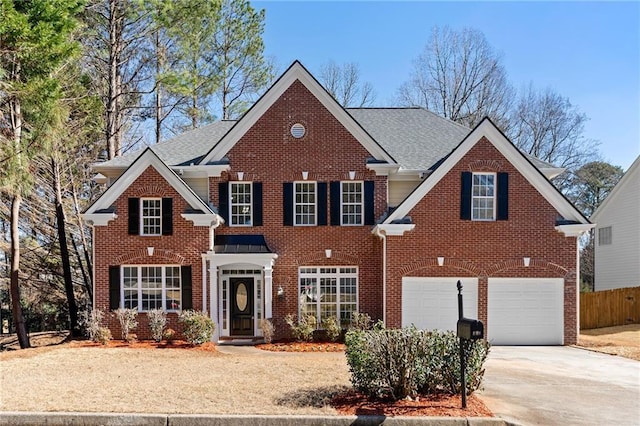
(441, 405)
(292, 346)
(146, 344)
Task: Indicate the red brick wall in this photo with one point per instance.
(268, 153)
(113, 246)
(483, 249)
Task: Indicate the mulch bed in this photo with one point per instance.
(292, 346)
(439, 405)
(146, 344)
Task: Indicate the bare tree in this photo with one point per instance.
(461, 77)
(116, 48)
(547, 126)
(343, 83)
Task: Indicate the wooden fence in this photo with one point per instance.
(609, 308)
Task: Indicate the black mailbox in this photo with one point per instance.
(470, 329)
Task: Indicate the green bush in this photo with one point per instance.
(403, 362)
(102, 336)
(304, 328)
(332, 328)
(157, 322)
(198, 328)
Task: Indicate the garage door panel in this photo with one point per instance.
(525, 311)
(432, 303)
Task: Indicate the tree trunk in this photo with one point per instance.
(114, 143)
(64, 251)
(16, 307)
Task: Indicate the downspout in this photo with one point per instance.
(383, 236)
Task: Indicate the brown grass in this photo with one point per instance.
(97, 379)
(623, 340)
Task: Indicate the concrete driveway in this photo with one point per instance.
(559, 385)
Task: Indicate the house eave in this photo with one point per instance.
(383, 169)
(98, 219)
(392, 229)
(574, 230)
(207, 219)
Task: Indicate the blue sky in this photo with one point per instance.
(586, 51)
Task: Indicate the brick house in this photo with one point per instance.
(302, 206)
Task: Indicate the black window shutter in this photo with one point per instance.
(223, 201)
(322, 203)
(369, 202)
(167, 216)
(465, 196)
(335, 203)
(187, 294)
(503, 196)
(287, 203)
(257, 203)
(134, 216)
(114, 287)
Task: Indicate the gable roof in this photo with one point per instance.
(148, 158)
(626, 179)
(489, 130)
(296, 72)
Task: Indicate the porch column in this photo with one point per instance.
(213, 299)
(268, 293)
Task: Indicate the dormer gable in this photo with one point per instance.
(381, 159)
(101, 211)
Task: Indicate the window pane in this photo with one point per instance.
(305, 203)
(240, 203)
(352, 200)
(151, 216)
(483, 200)
(329, 292)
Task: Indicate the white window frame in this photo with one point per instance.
(314, 205)
(312, 290)
(139, 286)
(246, 205)
(347, 204)
(605, 236)
(481, 197)
(144, 228)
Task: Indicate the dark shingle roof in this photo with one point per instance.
(184, 149)
(415, 137)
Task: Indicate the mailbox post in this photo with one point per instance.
(467, 329)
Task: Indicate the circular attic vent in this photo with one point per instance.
(297, 130)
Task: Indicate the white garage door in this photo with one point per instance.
(525, 311)
(432, 303)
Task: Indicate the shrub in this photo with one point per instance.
(102, 336)
(91, 322)
(127, 319)
(157, 322)
(303, 329)
(198, 327)
(331, 328)
(169, 335)
(268, 330)
(360, 321)
(402, 362)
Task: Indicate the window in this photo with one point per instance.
(352, 203)
(240, 202)
(151, 287)
(604, 236)
(483, 196)
(328, 292)
(305, 203)
(151, 215)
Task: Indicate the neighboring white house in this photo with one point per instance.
(617, 245)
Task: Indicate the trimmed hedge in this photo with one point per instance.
(397, 363)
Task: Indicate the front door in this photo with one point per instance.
(241, 306)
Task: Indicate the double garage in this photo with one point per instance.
(520, 311)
